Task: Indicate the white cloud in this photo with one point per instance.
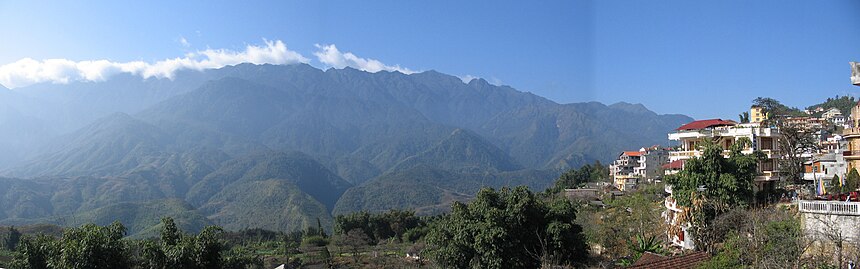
(331, 56)
(468, 78)
(28, 71)
(184, 42)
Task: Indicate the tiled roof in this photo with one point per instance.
(632, 153)
(654, 261)
(674, 165)
(702, 124)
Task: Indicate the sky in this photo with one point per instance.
(705, 59)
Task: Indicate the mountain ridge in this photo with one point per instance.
(300, 143)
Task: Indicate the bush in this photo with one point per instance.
(314, 241)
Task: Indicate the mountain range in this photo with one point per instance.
(280, 146)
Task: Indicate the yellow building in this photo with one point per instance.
(852, 135)
(757, 114)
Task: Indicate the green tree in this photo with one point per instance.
(744, 117)
(170, 234)
(13, 237)
(511, 228)
(38, 252)
(619, 226)
(574, 178)
(712, 184)
(760, 238)
(852, 180)
(92, 246)
(835, 185)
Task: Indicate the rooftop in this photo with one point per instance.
(702, 124)
(655, 261)
(632, 153)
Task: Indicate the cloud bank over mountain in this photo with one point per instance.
(28, 71)
(331, 56)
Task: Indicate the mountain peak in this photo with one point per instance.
(632, 108)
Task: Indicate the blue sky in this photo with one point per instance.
(700, 58)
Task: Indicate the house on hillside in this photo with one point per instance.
(725, 133)
(636, 167)
(825, 166)
(830, 113)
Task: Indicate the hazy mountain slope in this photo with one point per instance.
(295, 168)
(461, 151)
(430, 191)
(114, 143)
(141, 218)
(274, 204)
(25, 199)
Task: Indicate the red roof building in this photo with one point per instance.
(674, 165)
(702, 124)
(633, 153)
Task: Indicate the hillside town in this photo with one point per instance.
(822, 188)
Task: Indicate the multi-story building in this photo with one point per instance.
(724, 133)
(830, 113)
(852, 138)
(833, 143)
(807, 122)
(677, 229)
(824, 167)
(757, 114)
(635, 167)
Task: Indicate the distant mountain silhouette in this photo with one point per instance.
(277, 146)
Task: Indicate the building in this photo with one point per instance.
(677, 232)
(757, 114)
(808, 122)
(838, 120)
(635, 167)
(852, 138)
(833, 143)
(724, 133)
(825, 166)
(830, 113)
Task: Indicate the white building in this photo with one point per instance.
(830, 113)
(678, 234)
(724, 133)
(635, 167)
(825, 166)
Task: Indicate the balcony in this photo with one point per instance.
(851, 154)
(830, 207)
(683, 155)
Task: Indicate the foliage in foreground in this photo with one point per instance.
(91, 247)
(511, 228)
